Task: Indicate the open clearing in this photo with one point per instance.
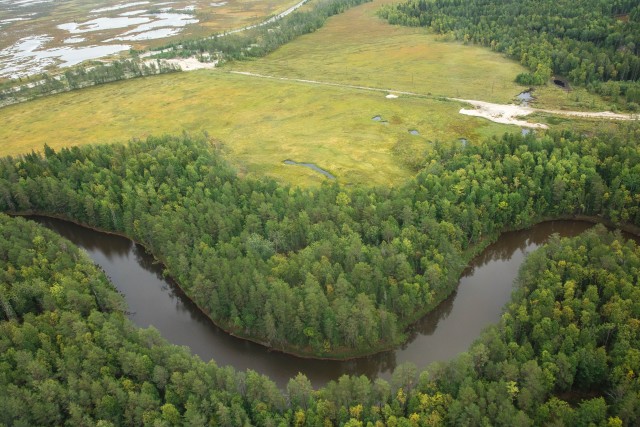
(509, 114)
(358, 48)
(260, 122)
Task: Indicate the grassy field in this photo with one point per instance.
(357, 47)
(577, 99)
(260, 123)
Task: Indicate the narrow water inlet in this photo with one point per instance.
(310, 166)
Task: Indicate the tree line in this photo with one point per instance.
(564, 353)
(261, 40)
(327, 271)
(592, 43)
(43, 84)
(252, 43)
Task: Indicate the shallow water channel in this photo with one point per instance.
(483, 290)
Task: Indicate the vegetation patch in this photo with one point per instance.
(72, 356)
(327, 272)
(358, 48)
(584, 42)
(259, 122)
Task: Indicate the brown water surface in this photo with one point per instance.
(154, 300)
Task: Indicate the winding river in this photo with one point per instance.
(484, 289)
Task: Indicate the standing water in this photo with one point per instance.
(484, 288)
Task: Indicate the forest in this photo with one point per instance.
(340, 271)
(591, 43)
(564, 353)
(330, 271)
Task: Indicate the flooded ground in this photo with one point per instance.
(43, 35)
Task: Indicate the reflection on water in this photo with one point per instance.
(484, 289)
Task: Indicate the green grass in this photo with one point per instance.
(589, 127)
(262, 122)
(357, 47)
(259, 122)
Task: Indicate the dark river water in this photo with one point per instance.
(153, 300)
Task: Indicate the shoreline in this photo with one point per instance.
(472, 251)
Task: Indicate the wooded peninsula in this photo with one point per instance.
(336, 272)
(331, 267)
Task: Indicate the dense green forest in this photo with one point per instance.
(593, 43)
(328, 271)
(564, 353)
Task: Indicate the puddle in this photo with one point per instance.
(149, 35)
(149, 26)
(165, 25)
(376, 118)
(525, 131)
(132, 13)
(11, 20)
(26, 3)
(165, 20)
(72, 40)
(310, 166)
(561, 83)
(26, 58)
(414, 132)
(525, 98)
(119, 6)
(391, 96)
(104, 23)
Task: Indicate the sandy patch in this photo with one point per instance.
(501, 113)
(511, 114)
(188, 64)
(592, 115)
(391, 96)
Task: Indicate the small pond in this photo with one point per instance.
(525, 98)
(310, 166)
